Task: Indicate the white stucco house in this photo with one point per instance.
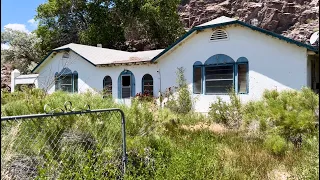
(216, 55)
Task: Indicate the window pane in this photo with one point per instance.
(147, 77)
(147, 82)
(66, 80)
(197, 80)
(67, 88)
(242, 78)
(148, 89)
(125, 80)
(107, 85)
(126, 92)
(219, 79)
(219, 72)
(56, 83)
(219, 86)
(75, 82)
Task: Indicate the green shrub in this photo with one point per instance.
(276, 144)
(229, 114)
(182, 103)
(218, 111)
(291, 112)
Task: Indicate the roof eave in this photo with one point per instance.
(298, 43)
(174, 44)
(126, 63)
(58, 50)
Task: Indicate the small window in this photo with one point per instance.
(219, 34)
(242, 78)
(56, 81)
(75, 81)
(107, 85)
(197, 77)
(243, 67)
(219, 79)
(147, 84)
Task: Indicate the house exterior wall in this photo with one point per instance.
(91, 77)
(273, 64)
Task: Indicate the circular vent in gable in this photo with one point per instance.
(219, 34)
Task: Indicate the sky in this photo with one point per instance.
(19, 14)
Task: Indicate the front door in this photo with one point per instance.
(126, 86)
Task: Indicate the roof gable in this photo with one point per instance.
(99, 56)
(225, 21)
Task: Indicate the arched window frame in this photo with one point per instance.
(60, 79)
(218, 60)
(242, 61)
(107, 83)
(144, 80)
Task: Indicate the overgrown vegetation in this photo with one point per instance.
(158, 146)
(227, 113)
(179, 98)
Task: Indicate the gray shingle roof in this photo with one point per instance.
(99, 56)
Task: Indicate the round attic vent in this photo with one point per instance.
(219, 34)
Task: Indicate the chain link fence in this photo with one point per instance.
(64, 144)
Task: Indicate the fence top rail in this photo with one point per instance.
(62, 113)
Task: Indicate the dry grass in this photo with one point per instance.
(213, 127)
(280, 173)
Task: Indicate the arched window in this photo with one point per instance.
(147, 84)
(107, 85)
(219, 74)
(67, 81)
(197, 77)
(242, 75)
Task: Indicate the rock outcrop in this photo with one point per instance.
(296, 19)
